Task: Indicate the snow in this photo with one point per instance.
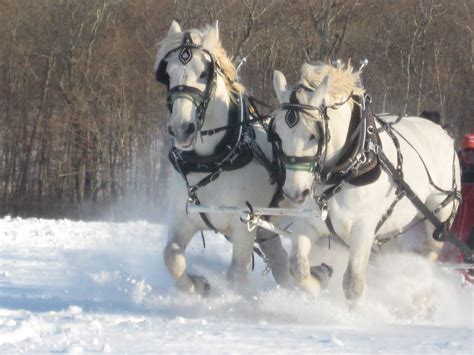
(74, 287)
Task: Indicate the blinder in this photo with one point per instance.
(162, 75)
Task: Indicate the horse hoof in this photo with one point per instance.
(323, 273)
(353, 287)
(201, 285)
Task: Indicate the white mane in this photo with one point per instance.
(208, 39)
(342, 80)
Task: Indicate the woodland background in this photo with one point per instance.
(82, 119)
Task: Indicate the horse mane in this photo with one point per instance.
(208, 39)
(343, 81)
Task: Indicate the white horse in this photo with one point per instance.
(313, 125)
(203, 95)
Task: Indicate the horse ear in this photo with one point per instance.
(216, 29)
(211, 36)
(213, 33)
(322, 90)
(175, 28)
(279, 84)
(306, 70)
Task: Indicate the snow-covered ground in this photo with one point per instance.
(102, 287)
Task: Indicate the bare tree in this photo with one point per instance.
(82, 122)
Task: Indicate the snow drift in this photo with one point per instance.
(95, 286)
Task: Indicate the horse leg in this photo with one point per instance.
(299, 266)
(242, 248)
(175, 261)
(361, 240)
(276, 256)
(430, 247)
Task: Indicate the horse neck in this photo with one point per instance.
(338, 125)
(216, 116)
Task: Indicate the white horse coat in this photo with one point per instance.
(356, 210)
(249, 183)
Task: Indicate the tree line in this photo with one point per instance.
(82, 121)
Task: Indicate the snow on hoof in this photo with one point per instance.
(353, 287)
(323, 273)
(200, 285)
(299, 269)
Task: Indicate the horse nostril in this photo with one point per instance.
(191, 129)
(170, 131)
(305, 193)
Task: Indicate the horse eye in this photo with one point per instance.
(203, 75)
(311, 137)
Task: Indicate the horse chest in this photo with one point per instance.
(343, 210)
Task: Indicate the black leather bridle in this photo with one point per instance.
(294, 109)
(314, 164)
(199, 98)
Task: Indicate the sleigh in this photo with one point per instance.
(463, 228)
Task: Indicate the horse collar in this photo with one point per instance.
(231, 153)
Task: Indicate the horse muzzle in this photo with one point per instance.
(298, 198)
(298, 186)
(184, 137)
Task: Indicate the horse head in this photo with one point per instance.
(297, 124)
(194, 67)
(311, 123)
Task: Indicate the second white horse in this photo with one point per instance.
(315, 122)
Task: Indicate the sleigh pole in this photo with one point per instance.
(253, 216)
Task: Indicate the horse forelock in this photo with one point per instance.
(343, 81)
(207, 38)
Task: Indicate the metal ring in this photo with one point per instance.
(362, 158)
(370, 130)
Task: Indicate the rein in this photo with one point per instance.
(256, 117)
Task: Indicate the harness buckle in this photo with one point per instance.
(324, 179)
(373, 147)
(324, 212)
(192, 191)
(247, 139)
(317, 178)
(191, 201)
(323, 206)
